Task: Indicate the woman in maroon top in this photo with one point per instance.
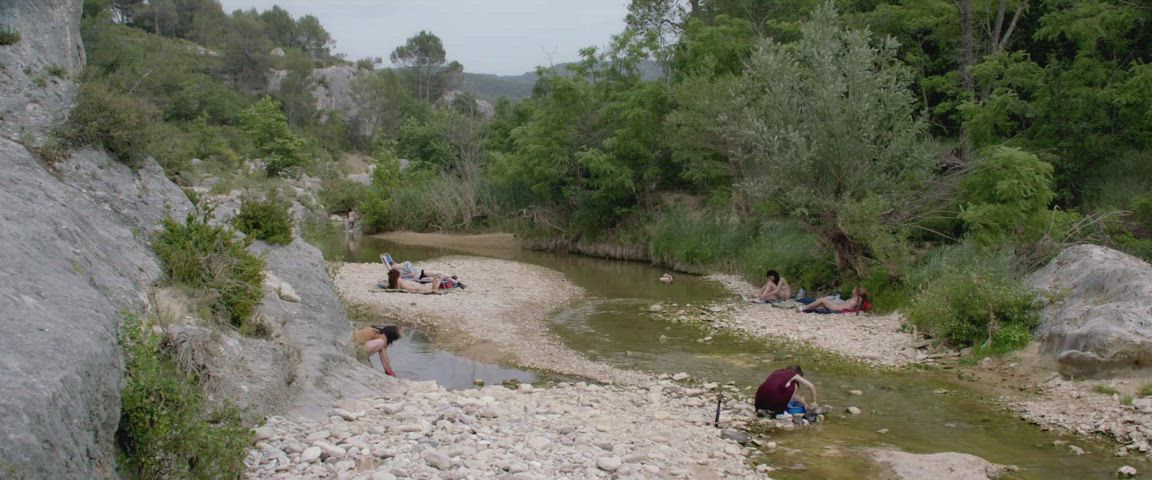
(780, 388)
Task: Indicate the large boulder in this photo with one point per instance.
(1098, 314)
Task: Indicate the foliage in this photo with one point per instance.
(1008, 195)
(166, 430)
(422, 61)
(211, 259)
(827, 129)
(280, 148)
(375, 207)
(340, 195)
(1105, 389)
(1145, 390)
(268, 220)
(119, 123)
(9, 37)
(973, 298)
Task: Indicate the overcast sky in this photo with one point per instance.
(506, 37)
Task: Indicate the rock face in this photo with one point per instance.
(31, 92)
(70, 262)
(1098, 319)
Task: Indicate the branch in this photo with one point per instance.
(1011, 27)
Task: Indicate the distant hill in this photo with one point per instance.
(486, 86)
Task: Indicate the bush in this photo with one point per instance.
(9, 37)
(211, 259)
(165, 429)
(56, 71)
(121, 124)
(962, 296)
(339, 195)
(268, 220)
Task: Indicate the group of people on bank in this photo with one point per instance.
(776, 289)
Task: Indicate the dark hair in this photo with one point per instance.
(390, 332)
(797, 369)
(393, 278)
(775, 275)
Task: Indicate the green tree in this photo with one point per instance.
(828, 131)
(422, 58)
(267, 126)
(1007, 199)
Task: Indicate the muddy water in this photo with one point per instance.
(614, 326)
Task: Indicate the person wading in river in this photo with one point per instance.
(376, 339)
(780, 388)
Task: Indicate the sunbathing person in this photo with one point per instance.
(410, 272)
(774, 290)
(857, 302)
(397, 283)
(376, 339)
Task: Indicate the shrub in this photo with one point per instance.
(211, 259)
(57, 71)
(973, 300)
(1008, 196)
(116, 122)
(1145, 390)
(165, 429)
(1106, 389)
(9, 37)
(268, 220)
(339, 195)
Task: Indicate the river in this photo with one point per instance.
(611, 325)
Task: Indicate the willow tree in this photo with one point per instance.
(828, 131)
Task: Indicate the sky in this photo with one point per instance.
(505, 37)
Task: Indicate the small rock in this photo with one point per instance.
(1076, 450)
(735, 435)
(1126, 471)
(264, 433)
(679, 377)
(855, 392)
(608, 464)
(771, 446)
(479, 382)
(655, 308)
(882, 431)
(940, 391)
(383, 476)
(539, 443)
(436, 459)
(311, 454)
(525, 387)
(853, 410)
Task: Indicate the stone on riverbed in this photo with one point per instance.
(608, 464)
(680, 377)
(853, 410)
(1126, 472)
(945, 465)
(735, 435)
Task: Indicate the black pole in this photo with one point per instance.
(719, 399)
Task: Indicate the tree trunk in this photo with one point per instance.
(967, 63)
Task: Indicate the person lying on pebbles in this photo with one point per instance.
(397, 283)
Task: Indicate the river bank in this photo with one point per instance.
(420, 430)
(499, 317)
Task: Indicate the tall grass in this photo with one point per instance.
(711, 242)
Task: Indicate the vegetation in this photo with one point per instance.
(213, 261)
(9, 37)
(891, 144)
(1106, 390)
(166, 430)
(268, 220)
(1145, 390)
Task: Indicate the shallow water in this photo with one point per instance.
(416, 358)
(614, 327)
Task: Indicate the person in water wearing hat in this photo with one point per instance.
(375, 340)
(780, 388)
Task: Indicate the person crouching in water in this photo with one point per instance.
(376, 339)
(780, 388)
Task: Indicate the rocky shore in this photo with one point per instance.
(877, 340)
(419, 430)
(1080, 408)
(499, 316)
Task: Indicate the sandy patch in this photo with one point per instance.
(500, 316)
(875, 339)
